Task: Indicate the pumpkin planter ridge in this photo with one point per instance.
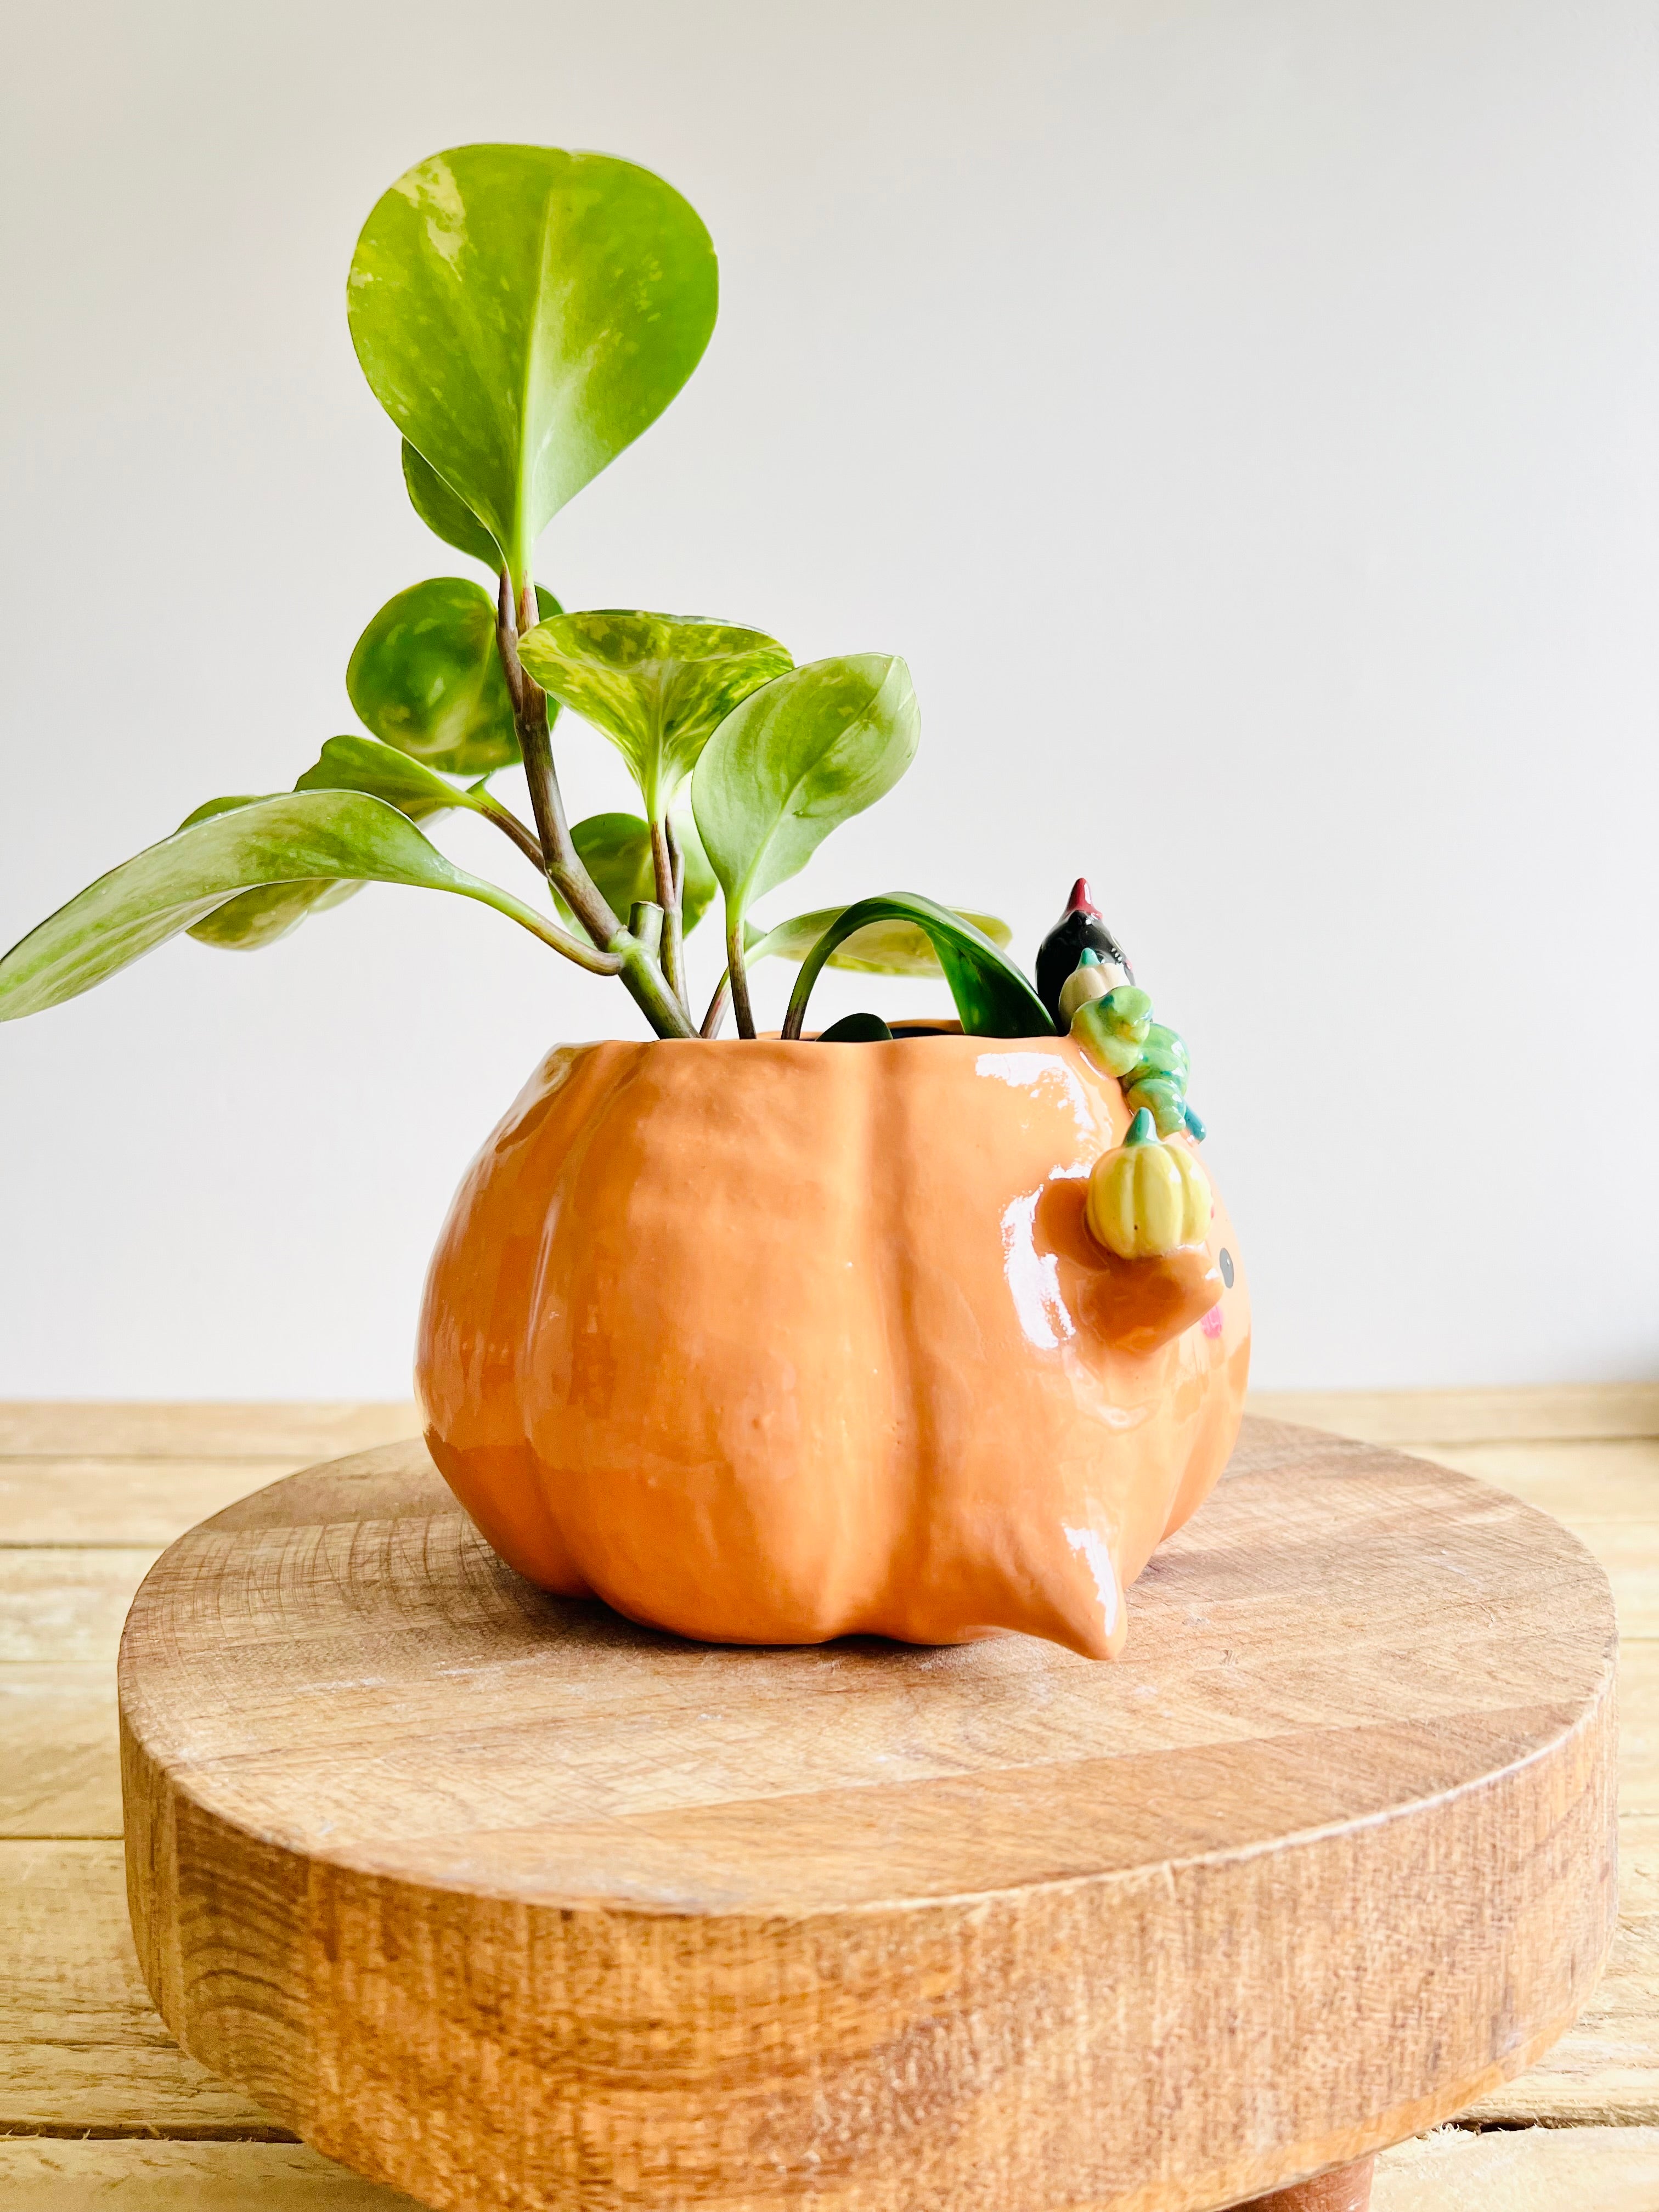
(771, 1342)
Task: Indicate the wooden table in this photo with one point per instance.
(96, 2105)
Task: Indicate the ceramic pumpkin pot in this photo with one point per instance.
(767, 1342)
(771, 1344)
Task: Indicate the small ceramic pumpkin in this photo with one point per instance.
(769, 1342)
(1146, 1197)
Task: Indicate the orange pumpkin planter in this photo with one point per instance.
(769, 1342)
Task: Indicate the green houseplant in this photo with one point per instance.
(523, 314)
(757, 1340)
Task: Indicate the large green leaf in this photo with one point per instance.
(259, 918)
(356, 763)
(427, 678)
(256, 918)
(616, 850)
(446, 516)
(523, 314)
(209, 807)
(992, 997)
(299, 837)
(890, 946)
(795, 760)
(658, 686)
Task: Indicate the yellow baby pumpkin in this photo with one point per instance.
(1147, 1198)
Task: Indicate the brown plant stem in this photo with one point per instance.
(585, 956)
(561, 862)
(739, 979)
(669, 875)
(716, 1014)
(509, 825)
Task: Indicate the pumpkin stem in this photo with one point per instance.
(1142, 1130)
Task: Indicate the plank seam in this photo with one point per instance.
(1608, 2116)
(141, 2131)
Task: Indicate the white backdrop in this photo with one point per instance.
(1242, 413)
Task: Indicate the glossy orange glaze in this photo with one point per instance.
(766, 1343)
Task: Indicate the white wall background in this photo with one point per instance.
(1242, 413)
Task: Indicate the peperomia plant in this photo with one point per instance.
(523, 314)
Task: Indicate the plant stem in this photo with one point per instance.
(716, 1014)
(739, 978)
(645, 981)
(585, 956)
(665, 862)
(645, 921)
(615, 959)
(508, 823)
(561, 862)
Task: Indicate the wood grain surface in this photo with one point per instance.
(84, 2052)
(80, 2033)
(1522, 2170)
(67, 1429)
(511, 1903)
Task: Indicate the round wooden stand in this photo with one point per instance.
(509, 1903)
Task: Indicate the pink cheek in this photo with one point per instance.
(1212, 1323)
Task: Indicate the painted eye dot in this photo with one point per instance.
(1227, 1267)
